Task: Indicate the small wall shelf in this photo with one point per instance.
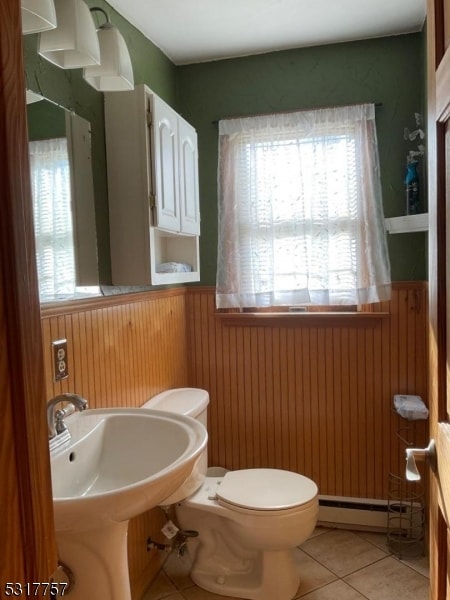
(407, 223)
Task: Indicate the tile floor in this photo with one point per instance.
(334, 564)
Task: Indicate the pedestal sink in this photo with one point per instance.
(117, 464)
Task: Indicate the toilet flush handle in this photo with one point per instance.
(428, 454)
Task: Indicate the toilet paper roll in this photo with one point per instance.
(410, 407)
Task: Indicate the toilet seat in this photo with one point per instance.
(265, 490)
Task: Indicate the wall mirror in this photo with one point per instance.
(63, 201)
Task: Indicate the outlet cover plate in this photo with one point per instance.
(60, 364)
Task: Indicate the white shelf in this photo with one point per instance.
(170, 247)
(407, 223)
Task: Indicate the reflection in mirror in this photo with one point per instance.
(63, 201)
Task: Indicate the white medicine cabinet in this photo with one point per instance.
(152, 163)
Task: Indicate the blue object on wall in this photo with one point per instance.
(412, 188)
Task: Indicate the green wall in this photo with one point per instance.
(386, 70)
(45, 121)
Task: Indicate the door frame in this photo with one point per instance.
(30, 549)
(437, 114)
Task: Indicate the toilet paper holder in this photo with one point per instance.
(412, 454)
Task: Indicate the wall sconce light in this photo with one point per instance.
(38, 15)
(115, 71)
(74, 43)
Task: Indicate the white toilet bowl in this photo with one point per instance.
(249, 523)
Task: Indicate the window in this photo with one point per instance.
(50, 183)
(300, 210)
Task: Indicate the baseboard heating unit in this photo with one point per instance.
(353, 513)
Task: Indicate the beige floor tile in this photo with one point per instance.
(389, 579)
(177, 569)
(377, 539)
(196, 593)
(362, 559)
(318, 531)
(176, 596)
(421, 565)
(160, 588)
(313, 575)
(334, 591)
(342, 552)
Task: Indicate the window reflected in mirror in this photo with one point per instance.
(63, 203)
(50, 184)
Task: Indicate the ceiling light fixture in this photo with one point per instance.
(74, 43)
(115, 71)
(38, 15)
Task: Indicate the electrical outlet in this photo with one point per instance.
(60, 364)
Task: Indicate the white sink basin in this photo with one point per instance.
(119, 463)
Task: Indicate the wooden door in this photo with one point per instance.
(438, 26)
(27, 540)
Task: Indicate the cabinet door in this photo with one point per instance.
(189, 195)
(166, 173)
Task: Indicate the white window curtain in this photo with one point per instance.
(300, 210)
(50, 182)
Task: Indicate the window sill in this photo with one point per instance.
(303, 319)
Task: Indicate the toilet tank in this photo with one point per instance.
(192, 402)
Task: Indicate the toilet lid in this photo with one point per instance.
(266, 489)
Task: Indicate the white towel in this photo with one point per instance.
(173, 267)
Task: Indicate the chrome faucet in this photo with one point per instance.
(55, 417)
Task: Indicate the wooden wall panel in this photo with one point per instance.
(121, 351)
(315, 397)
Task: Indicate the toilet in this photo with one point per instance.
(249, 521)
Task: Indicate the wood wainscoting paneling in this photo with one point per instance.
(309, 396)
(121, 351)
(312, 395)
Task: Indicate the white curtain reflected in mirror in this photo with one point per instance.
(50, 184)
(63, 203)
